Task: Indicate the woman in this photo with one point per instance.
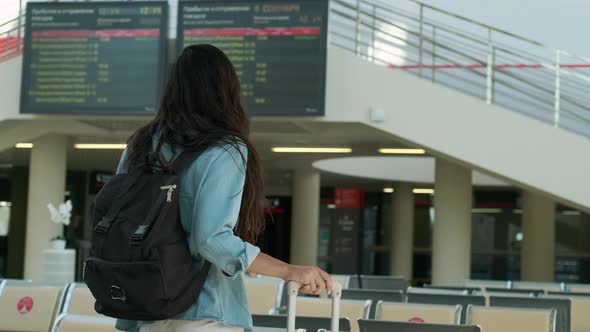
(221, 198)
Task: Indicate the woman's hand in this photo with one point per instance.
(312, 279)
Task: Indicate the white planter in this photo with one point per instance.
(58, 244)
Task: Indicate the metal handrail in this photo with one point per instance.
(549, 89)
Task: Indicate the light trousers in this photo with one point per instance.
(187, 326)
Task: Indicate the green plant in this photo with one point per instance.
(58, 237)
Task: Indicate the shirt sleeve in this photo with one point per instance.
(215, 214)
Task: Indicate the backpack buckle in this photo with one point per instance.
(139, 233)
(118, 294)
(103, 225)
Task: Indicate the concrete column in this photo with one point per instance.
(47, 182)
(538, 244)
(402, 231)
(305, 218)
(451, 239)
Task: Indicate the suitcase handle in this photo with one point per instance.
(293, 288)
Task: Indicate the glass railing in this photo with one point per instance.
(496, 66)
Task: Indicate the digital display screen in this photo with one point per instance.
(93, 58)
(277, 47)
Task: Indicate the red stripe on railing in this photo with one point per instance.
(9, 47)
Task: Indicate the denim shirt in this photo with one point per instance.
(210, 198)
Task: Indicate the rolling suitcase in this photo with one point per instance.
(293, 290)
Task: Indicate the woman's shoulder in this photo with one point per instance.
(225, 154)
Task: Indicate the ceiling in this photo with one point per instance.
(266, 133)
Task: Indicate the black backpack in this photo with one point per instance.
(140, 266)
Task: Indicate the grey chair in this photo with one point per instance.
(354, 282)
(469, 290)
(381, 326)
(305, 323)
(391, 283)
(448, 299)
(535, 292)
(374, 295)
(563, 307)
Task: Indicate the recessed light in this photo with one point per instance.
(100, 146)
(388, 190)
(310, 150)
(24, 145)
(402, 151)
(423, 191)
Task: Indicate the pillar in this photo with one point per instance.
(538, 243)
(305, 217)
(402, 231)
(47, 181)
(451, 238)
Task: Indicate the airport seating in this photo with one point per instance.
(527, 292)
(392, 283)
(264, 294)
(561, 306)
(354, 282)
(301, 322)
(580, 311)
(419, 313)
(374, 296)
(78, 314)
(545, 286)
(469, 290)
(383, 326)
(343, 279)
(30, 307)
(417, 290)
(511, 319)
(483, 284)
(79, 323)
(578, 288)
(351, 309)
(464, 300)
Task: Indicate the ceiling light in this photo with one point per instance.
(331, 206)
(24, 145)
(423, 191)
(402, 151)
(310, 150)
(486, 210)
(388, 190)
(5, 204)
(100, 146)
(517, 211)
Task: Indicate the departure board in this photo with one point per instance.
(93, 58)
(278, 48)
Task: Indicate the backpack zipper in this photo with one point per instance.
(170, 189)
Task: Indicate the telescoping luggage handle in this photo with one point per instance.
(293, 290)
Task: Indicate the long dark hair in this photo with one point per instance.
(200, 108)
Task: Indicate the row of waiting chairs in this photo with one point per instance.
(569, 310)
(30, 307)
(536, 287)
